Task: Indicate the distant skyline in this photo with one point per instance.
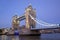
(46, 10)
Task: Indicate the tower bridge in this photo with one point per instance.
(30, 24)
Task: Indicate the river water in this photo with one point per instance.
(55, 36)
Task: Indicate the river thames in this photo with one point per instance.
(55, 36)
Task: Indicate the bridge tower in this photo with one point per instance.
(29, 22)
(15, 23)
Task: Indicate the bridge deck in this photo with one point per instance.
(44, 28)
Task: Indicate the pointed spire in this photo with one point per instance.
(15, 16)
(30, 6)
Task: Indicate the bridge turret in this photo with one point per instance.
(15, 22)
(29, 22)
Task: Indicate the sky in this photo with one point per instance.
(46, 10)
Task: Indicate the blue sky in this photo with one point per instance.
(46, 10)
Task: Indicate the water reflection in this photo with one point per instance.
(30, 38)
(4, 37)
(42, 37)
